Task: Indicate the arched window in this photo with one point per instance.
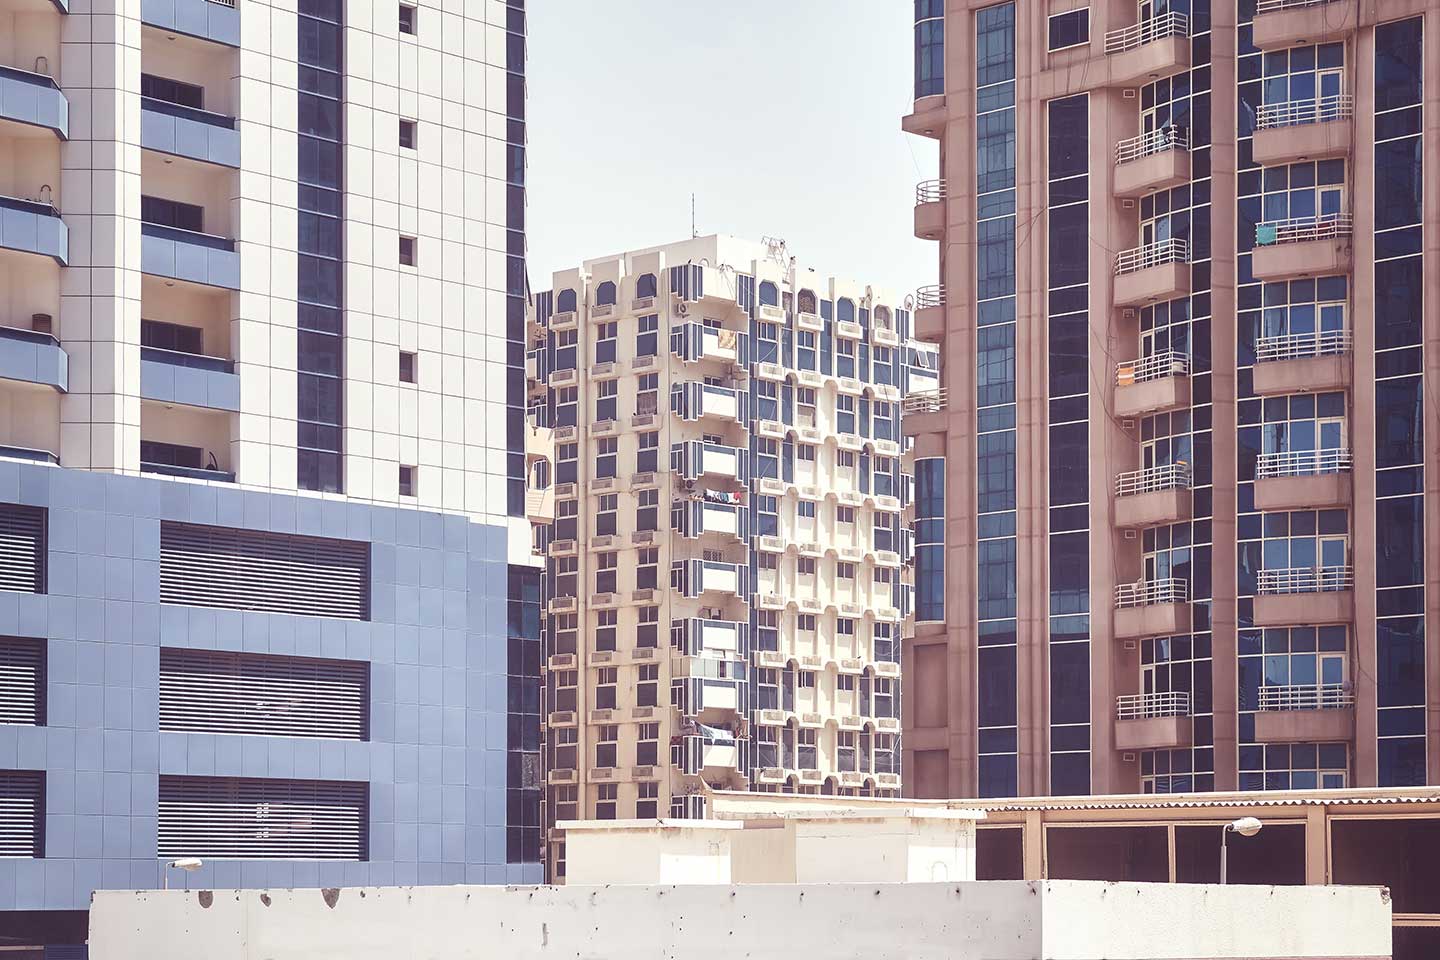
(605, 293)
(769, 294)
(845, 310)
(645, 286)
(565, 302)
(807, 301)
(882, 318)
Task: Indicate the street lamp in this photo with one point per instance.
(1246, 827)
(191, 864)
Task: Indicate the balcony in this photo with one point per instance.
(1152, 496)
(694, 578)
(170, 376)
(1308, 595)
(1152, 161)
(929, 324)
(1282, 24)
(32, 357)
(930, 210)
(706, 698)
(1151, 608)
(1301, 363)
(186, 255)
(1148, 50)
(1155, 271)
(187, 132)
(694, 459)
(33, 226)
(694, 400)
(1304, 130)
(188, 473)
(712, 750)
(1304, 247)
(1305, 713)
(698, 637)
(926, 118)
(1302, 479)
(706, 516)
(214, 20)
(33, 99)
(693, 342)
(1152, 384)
(1152, 721)
(28, 454)
(924, 412)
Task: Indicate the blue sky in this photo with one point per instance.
(782, 116)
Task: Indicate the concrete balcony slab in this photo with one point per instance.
(930, 220)
(1149, 61)
(1164, 281)
(1304, 258)
(1152, 620)
(1305, 726)
(1152, 396)
(1294, 26)
(1155, 507)
(1158, 171)
(1323, 491)
(915, 424)
(1290, 609)
(927, 119)
(1153, 733)
(1304, 141)
(929, 324)
(1302, 375)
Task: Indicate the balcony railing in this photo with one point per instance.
(1173, 250)
(1289, 113)
(224, 3)
(1307, 579)
(929, 191)
(1327, 227)
(28, 336)
(1171, 476)
(26, 76)
(1295, 346)
(187, 236)
(179, 358)
(1273, 6)
(39, 207)
(193, 473)
(1153, 367)
(1149, 144)
(1147, 31)
(925, 401)
(1146, 706)
(1307, 696)
(187, 113)
(1145, 593)
(930, 295)
(28, 453)
(1301, 463)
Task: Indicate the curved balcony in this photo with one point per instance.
(33, 357)
(32, 226)
(1302, 479)
(1152, 272)
(1305, 595)
(1152, 608)
(1152, 384)
(1302, 247)
(930, 209)
(1305, 713)
(924, 412)
(1148, 50)
(33, 99)
(188, 132)
(1282, 24)
(1302, 362)
(1311, 129)
(1154, 495)
(929, 323)
(1152, 161)
(1149, 721)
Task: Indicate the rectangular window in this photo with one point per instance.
(269, 572)
(407, 134)
(647, 745)
(647, 340)
(172, 213)
(647, 395)
(647, 511)
(22, 681)
(647, 633)
(22, 814)
(605, 622)
(233, 818)
(407, 481)
(172, 91)
(407, 251)
(606, 746)
(647, 573)
(172, 336)
(605, 459)
(211, 691)
(605, 576)
(408, 367)
(647, 458)
(647, 693)
(606, 393)
(647, 804)
(606, 519)
(605, 797)
(1069, 29)
(408, 19)
(605, 343)
(605, 688)
(22, 548)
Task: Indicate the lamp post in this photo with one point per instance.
(188, 864)
(1246, 827)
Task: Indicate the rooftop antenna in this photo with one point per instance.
(693, 232)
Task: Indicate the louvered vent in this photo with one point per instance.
(224, 818)
(22, 548)
(255, 570)
(206, 691)
(22, 681)
(22, 812)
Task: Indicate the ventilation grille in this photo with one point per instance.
(272, 572)
(22, 548)
(22, 681)
(205, 691)
(221, 818)
(22, 806)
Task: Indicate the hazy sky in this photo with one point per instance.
(782, 116)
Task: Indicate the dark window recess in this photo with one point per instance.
(172, 213)
(407, 251)
(22, 813)
(22, 548)
(407, 19)
(210, 691)
(173, 455)
(524, 776)
(1069, 29)
(172, 91)
(407, 481)
(407, 367)
(22, 681)
(172, 336)
(209, 566)
(230, 818)
(407, 134)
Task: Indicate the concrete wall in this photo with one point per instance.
(1003, 920)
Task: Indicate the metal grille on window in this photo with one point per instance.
(22, 548)
(254, 570)
(22, 681)
(22, 805)
(223, 818)
(207, 691)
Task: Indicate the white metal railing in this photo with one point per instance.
(1145, 593)
(1149, 144)
(1272, 6)
(1171, 476)
(1144, 706)
(1301, 463)
(1294, 346)
(1153, 367)
(930, 295)
(1290, 113)
(1173, 250)
(224, 3)
(1307, 579)
(1146, 31)
(1306, 696)
(925, 401)
(1325, 227)
(929, 191)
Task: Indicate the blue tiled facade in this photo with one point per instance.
(436, 645)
